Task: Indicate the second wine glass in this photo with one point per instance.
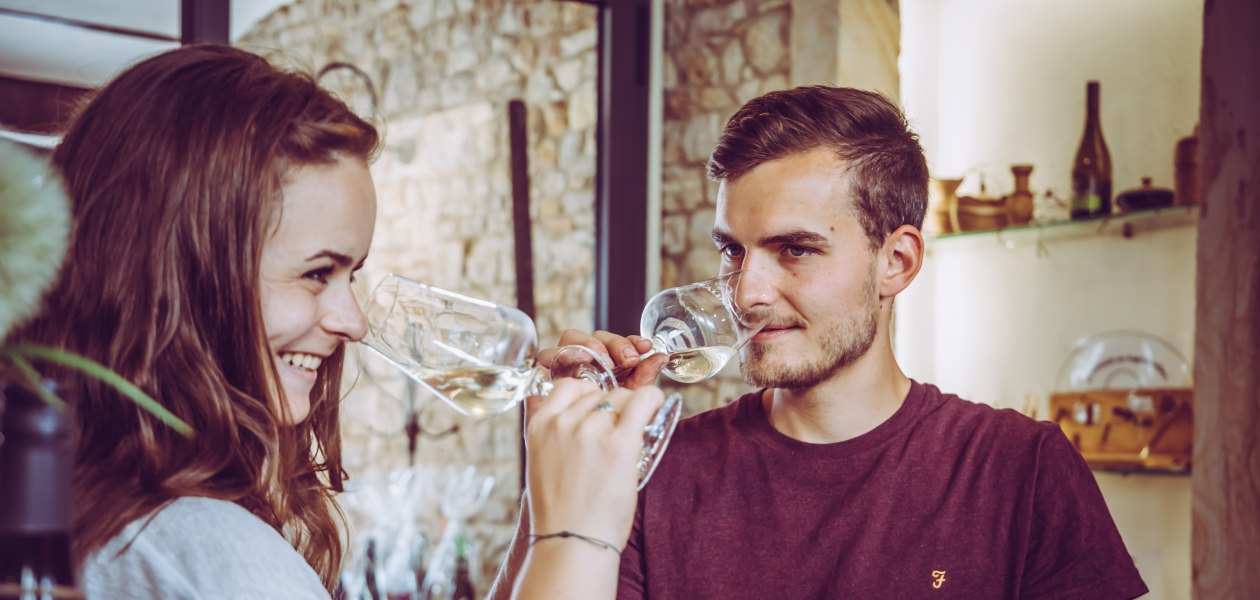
(478, 356)
(698, 326)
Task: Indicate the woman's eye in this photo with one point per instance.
(320, 275)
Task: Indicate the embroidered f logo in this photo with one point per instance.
(938, 579)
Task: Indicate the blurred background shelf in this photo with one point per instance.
(1125, 224)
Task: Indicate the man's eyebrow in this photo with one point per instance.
(798, 237)
(722, 238)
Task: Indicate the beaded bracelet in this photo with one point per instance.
(570, 534)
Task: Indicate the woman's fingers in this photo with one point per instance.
(562, 396)
(582, 460)
(586, 413)
(637, 409)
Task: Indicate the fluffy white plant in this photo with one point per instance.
(34, 229)
(34, 234)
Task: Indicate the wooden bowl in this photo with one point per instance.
(978, 214)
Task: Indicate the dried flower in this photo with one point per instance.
(34, 229)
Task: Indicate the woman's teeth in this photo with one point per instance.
(300, 360)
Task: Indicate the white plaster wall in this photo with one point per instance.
(988, 83)
(994, 318)
(1004, 315)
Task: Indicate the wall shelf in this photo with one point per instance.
(1127, 471)
(1124, 224)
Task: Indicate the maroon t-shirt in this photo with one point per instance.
(945, 499)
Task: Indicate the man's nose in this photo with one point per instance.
(751, 286)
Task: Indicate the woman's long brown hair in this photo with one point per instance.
(175, 169)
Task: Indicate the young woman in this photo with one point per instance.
(221, 208)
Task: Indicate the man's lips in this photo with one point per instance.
(771, 332)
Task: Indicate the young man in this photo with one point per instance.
(841, 477)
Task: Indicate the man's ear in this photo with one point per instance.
(899, 260)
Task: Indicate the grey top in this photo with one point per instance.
(200, 548)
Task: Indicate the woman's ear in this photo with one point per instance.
(900, 260)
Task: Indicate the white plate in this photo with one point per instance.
(1123, 360)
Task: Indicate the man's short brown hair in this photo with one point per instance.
(886, 171)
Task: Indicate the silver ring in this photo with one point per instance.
(604, 406)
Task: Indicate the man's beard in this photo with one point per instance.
(843, 345)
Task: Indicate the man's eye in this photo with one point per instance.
(797, 251)
(732, 250)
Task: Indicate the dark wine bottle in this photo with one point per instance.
(36, 460)
(463, 579)
(1091, 171)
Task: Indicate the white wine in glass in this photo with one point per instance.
(698, 326)
(476, 391)
(690, 366)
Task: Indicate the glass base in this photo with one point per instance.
(656, 436)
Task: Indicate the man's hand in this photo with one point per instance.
(622, 354)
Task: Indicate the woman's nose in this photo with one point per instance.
(345, 317)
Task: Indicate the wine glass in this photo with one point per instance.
(478, 356)
(698, 326)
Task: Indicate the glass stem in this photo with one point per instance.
(658, 347)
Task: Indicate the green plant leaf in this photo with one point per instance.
(101, 372)
(33, 378)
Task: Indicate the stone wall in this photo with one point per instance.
(445, 71)
(718, 55)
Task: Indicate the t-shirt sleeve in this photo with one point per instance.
(200, 549)
(1075, 550)
(140, 571)
(631, 585)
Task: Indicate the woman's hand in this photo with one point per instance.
(582, 453)
(620, 353)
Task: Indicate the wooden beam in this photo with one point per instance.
(37, 107)
(1225, 546)
(522, 228)
(621, 176)
(60, 20)
(205, 22)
